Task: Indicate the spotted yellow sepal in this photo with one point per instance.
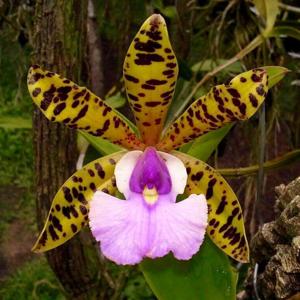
(150, 74)
(61, 100)
(238, 100)
(70, 207)
(225, 219)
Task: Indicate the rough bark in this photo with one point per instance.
(95, 52)
(276, 250)
(59, 40)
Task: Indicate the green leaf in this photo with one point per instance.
(208, 275)
(205, 145)
(275, 74)
(268, 10)
(279, 31)
(101, 145)
(8, 122)
(116, 101)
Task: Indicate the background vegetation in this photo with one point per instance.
(218, 38)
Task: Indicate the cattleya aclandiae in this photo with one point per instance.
(149, 222)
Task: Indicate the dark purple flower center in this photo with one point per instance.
(151, 172)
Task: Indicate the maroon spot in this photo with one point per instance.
(93, 187)
(56, 223)
(233, 92)
(168, 50)
(146, 124)
(148, 87)
(242, 108)
(221, 118)
(156, 82)
(171, 56)
(235, 211)
(73, 211)
(229, 233)
(36, 91)
(67, 194)
(79, 94)
(75, 104)
(106, 111)
(81, 114)
(149, 46)
(100, 171)
(260, 90)
(59, 108)
(91, 172)
(171, 65)
(152, 103)
(53, 234)
(212, 222)
(255, 78)
(154, 35)
(74, 192)
(197, 176)
(83, 209)
(147, 59)
(168, 72)
(243, 79)
(35, 77)
(82, 199)
(190, 121)
(226, 225)
(209, 192)
(236, 102)
(167, 94)
(222, 205)
(132, 97)
(57, 207)
(66, 212)
(64, 89)
(157, 121)
(74, 228)
(216, 224)
(43, 239)
(131, 78)
(87, 96)
(141, 94)
(235, 239)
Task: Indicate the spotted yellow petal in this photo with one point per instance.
(150, 74)
(238, 100)
(61, 100)
(69, 209)
(225, 219)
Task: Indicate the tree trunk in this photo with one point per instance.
(59, 43)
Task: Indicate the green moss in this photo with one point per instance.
(34, 280)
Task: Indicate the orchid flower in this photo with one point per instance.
(150, 174)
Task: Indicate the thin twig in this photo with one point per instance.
(289, 7)
(279, 162)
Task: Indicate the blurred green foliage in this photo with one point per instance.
(34, 280)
